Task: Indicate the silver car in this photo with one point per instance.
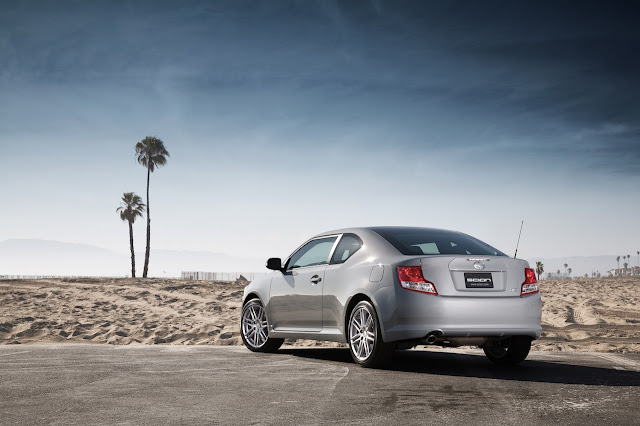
(385, 288)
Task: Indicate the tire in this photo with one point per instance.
(254, 328)
(510, 351)
(365, 339)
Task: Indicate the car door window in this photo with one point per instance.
(315, 252)
(348, 245)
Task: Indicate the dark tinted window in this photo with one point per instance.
(315, 252)
(349, 244)
(417, 241)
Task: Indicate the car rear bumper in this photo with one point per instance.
(416, 315)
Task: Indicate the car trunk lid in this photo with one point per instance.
(475, 276)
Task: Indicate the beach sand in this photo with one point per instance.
(600, 315)
(595, 315)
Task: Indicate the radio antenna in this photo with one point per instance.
(521, 224)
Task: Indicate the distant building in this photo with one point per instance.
(634, 270)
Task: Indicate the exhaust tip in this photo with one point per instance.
(431, 338)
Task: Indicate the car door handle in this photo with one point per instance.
(316, 279)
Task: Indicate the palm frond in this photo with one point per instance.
(131, 207)
(151, 153)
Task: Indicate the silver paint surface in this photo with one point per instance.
(300, 309)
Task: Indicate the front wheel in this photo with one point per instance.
(365, 339)
(509, 351)
(254, 328)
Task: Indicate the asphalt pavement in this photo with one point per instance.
(147, 385)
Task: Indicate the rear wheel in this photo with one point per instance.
(365, 339)
(254, 328)
(509, 351)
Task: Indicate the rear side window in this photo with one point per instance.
(417, 241)
(349, 244)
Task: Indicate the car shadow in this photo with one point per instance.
(564, 371)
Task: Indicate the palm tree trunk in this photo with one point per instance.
(146, 254)
(133, 255)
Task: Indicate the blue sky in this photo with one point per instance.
(285, 119)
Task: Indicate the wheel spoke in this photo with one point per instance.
(255, 339)
(355, 337)
(355, 323)
(363, 317)
(370, 336)
(367, 324)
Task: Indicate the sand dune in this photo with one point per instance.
(586, 315)
(119, 311)
(591, 315)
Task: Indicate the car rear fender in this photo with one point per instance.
(384, 309)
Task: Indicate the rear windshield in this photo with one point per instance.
(417, 241)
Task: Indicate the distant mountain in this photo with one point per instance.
(44, 257)
(580, 265)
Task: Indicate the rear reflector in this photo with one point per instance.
(530, 284)
(411, 278)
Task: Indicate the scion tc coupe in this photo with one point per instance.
(385, 288)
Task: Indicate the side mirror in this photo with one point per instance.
(274, 263)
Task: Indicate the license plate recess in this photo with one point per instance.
(478, 280)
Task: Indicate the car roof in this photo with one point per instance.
(355, 230)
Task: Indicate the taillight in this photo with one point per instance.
(411, 278)
(530, 284)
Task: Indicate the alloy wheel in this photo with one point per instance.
(254, 325)
(362, 333)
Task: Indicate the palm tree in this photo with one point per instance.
(151, 153)
(618, 260)
(558, 271)
(569, 271)
(565, 269)
(539, 268)
(623, 264)
(130, 208)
